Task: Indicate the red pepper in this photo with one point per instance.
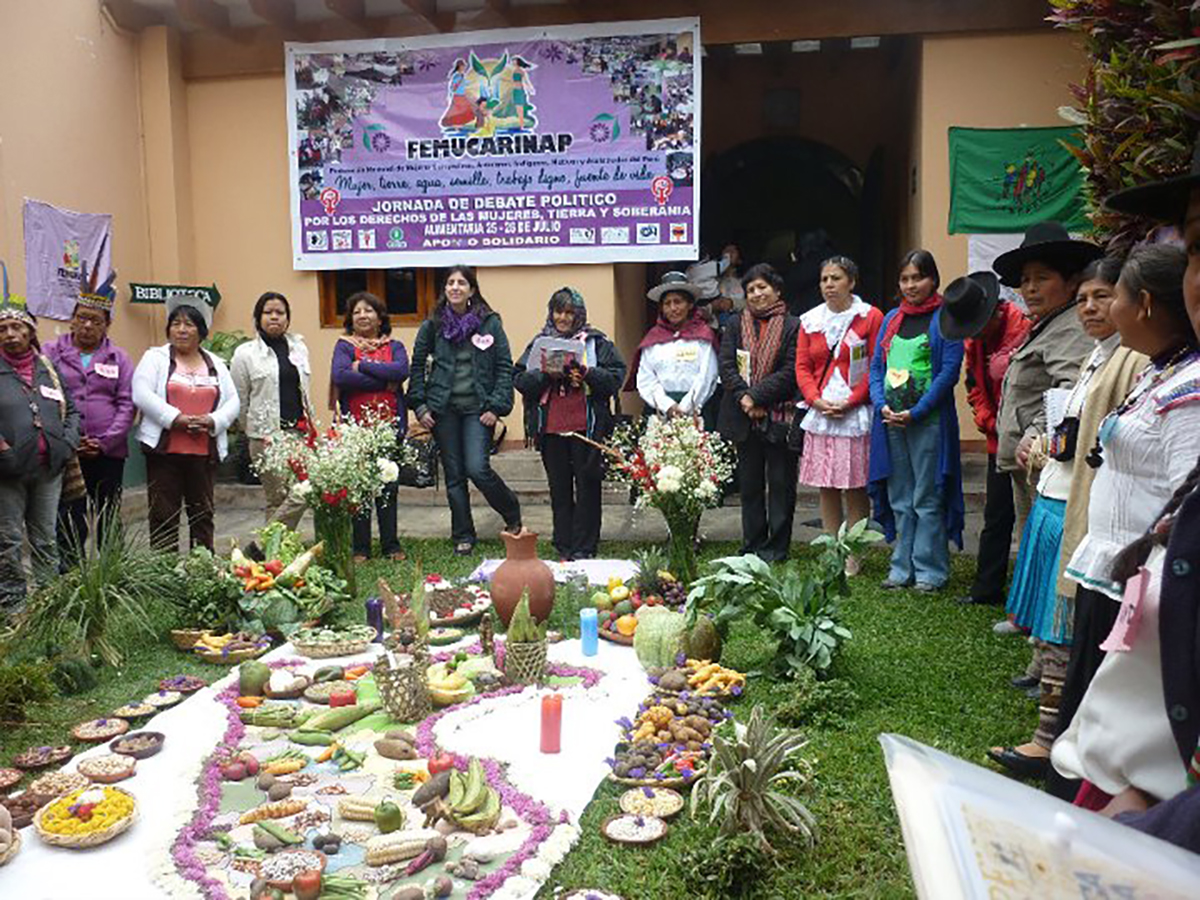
(441, 763)
(275, 567)
(307, 885)
(343, 698)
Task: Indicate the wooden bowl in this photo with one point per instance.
(41, 757)
(306, 682)
(616, 638)
(9, 778)
(287, 885)
(143, 753)
(658, 824)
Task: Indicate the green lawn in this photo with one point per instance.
(921, 666)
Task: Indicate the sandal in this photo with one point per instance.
(398, 556)
(464, 548)
(359, 558)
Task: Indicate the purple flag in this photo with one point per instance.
(59, 246)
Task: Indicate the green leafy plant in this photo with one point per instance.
(208, 593)
(818, 704)
(1138, 104)
(223, 343)
(277, 541)
(734, 865)
(570, 598)
(523, 628)
(22, 684)
(742, 789)
(799, 608)
(112, 595)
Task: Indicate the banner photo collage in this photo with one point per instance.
(515, 147)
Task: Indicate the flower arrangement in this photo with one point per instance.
(678, 468)
(337, 472)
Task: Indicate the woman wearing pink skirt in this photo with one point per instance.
(833, 358)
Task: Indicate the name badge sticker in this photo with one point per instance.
(482, 341)
(51, 393)
(107, 370)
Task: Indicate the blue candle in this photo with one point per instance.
(588, 632)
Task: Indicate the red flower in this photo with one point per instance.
(330, 498)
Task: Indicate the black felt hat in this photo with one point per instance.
(968, 304)
(674, 282)
(1045, 242)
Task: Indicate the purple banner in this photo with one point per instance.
(62, 248)
(516, 147)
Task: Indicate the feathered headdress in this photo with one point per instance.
(12, 306)
(101, 297)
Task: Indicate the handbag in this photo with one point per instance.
(1061, 445)
(73, 486)
(795, 433)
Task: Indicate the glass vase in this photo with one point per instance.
(681, 546)
(334, 527)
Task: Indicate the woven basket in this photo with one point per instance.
(229, 659)
(525, 661)
(13, 848)
(328, 650)
(81, 842)
(185, 638)
(405, 690)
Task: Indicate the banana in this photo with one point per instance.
(458, 784)
(485, 818)
(475, 793)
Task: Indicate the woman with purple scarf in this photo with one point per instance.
(460, 385)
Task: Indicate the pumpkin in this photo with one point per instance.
(703, 641)
(627, 624)
(659, 637)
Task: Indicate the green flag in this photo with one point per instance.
(1002, 180)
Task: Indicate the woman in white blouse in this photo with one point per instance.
(675, 367)
(1146, 448)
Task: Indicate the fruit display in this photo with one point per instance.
(230, 648)
(99, 729)
(660, 723)
(86, 817)
(707, 677)
(470, 802)
(654, 581)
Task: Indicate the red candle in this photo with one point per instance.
(551, 723)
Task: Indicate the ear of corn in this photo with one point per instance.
(357, 808)
(397, 846)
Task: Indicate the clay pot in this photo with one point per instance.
(522, 571)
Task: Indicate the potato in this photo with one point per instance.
(395, 749)
(265, 780)
(409, 893)
(280, 790)
(399, 734)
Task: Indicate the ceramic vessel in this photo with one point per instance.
(522, 571)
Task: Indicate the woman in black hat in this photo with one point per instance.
(1045, 269)
(993, 328)
(674, 369)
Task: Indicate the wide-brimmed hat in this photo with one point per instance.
(1046, 242)
(673, 282)
(968, 304)
(1165, 200)
(201, 306)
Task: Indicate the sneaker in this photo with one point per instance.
(926, 588)
(1005, 627)
(889, 585)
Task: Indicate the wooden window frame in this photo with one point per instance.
(426, 296)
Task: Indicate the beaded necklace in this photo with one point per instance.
(1180, 357)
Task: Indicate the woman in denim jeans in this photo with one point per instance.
(460, 385)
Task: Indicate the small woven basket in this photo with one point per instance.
(13, 848)
(405, 689)
(185, 638)
(525, 661)
(331, 649)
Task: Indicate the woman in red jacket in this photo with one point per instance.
(833, 358)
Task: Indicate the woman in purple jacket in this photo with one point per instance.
(99, 375)
(369, 370)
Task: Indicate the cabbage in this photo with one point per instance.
(659, 637)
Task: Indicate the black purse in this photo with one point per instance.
(1064, 439)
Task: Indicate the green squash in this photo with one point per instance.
(253, 676)
(703, 641)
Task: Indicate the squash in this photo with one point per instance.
(252, 678)
(659, 637)
(703, 641)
